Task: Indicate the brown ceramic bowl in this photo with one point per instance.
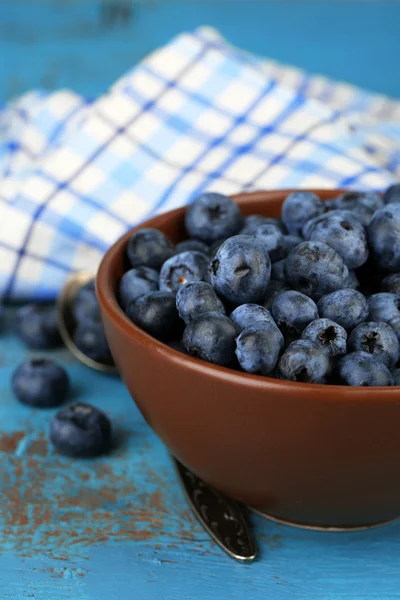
(310, 454)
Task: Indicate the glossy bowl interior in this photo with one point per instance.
(309, 454)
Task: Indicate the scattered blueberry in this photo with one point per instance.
(315, 269)
(36, 325)
(149, 248)
(156, 314)
(90, 339)
(258, 348)
(392, 194)
(292, 312)
(348, 238)
(385, 307)
(213, 216)
(240, 270)
(346, 307)
(363, 369)
(211, 337)
(40, 383)
(182, 268)
(81, 431)
(195, 298)
(246, 315)
(305, 361)
(137, 282)
(192, 245)
(378, 339)
(364, 204)
(272, 239)
(274, 288)
(298, 208)
(327, 334)
(384, 238)
(391, 284)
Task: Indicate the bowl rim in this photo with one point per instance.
(108, 300)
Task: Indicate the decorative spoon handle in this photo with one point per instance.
(222, 517)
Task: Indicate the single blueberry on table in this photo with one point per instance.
(81, 431)
(378, 339)
(364, 204)
(192, 245)
(298, 208)
(213, 216)
(40, 383)
(328, 335)
(272, 239)
(182, 268)
(384, 238)
(292, 312)
(391, 284)
(278, 271)
(156, 314)
(385, 307)
(148, 248)
(246, 315)
(392, 194)
(211, 337)
(240, 270)
(363, 369)
(90, 339)
(345, 307)
(274, 288)
(195, 298)
(315, 269)
(258, 348)
(305, 361)
(253, 222)
(137, 282)
(36, 325)
(348, 238)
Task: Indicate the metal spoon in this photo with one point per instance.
(220, 516)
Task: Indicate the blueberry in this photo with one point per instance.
(298, 208)
(240, 270)
(293, 311)
(41, 383)
(396, 376)
(272, 240)
(305, 361)
(137, 282)
(384, 238)
(258, 348)
(81, 431)
(385, 307)
(392, 194)
(182, 268)
(211, 337)
(90, 339)
(253, 222)
(192, 245)
(378, 339)
(251, 314)
(327, 334)
(85, 305)
(315, 269)
(156, 314)
(195, 298)
(345, 307)
(213, 216)
(149, 248)
(363, 203)
(341, 215)
(36, 325)
(363, 369)
(278, 271)
(274, 288)
(348, 238)
(391, 284)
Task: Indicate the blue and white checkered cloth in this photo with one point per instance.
(196, 115)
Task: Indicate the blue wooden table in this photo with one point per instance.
(118, 527)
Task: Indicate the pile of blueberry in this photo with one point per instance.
(312, 296)
(78, 430)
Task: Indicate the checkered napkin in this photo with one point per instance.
(196, 115)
